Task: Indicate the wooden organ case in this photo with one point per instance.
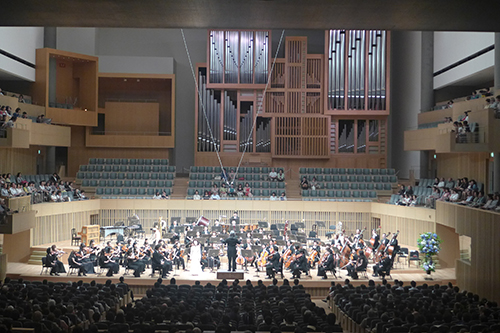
(329, 109)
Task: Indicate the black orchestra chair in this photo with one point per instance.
(75, 239)
(414, 256)
(362, 272)
(46, 267)
(403, 253)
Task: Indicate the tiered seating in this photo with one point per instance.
(346, 184)
(127, 178)
(202, 178)
(34, 178)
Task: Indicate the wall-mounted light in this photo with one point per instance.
(492, 154)
(435, 156)
(85, 110)
(39, 151)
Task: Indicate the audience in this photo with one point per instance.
(400, 308)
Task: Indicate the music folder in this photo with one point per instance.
(247, 253)
(213, 253)
(320, 224)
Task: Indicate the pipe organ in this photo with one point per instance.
(316, 106)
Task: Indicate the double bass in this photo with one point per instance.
(391, 248)
(380, 250)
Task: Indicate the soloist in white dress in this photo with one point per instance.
(195, 257)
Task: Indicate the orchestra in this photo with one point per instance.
(255, 247)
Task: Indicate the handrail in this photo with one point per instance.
(94, 132)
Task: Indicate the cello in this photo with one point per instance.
(380, 250)
(391, 248)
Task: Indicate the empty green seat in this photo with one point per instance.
(330, 194)
(150, 191)
(80, 175)
(139, 168)
(305, 193)
(127, 183)
(156, 161)
(145, 176)
(92, 160)
(382, 172)
(351, 179)
(334, 171)
(116, 161)
(141, 191)
(281, 185)
(318, 171)
(385, 179)
(132, 168)
(83, 168)
(376, 179)
(110, 183)
(100, 161)
(374, 171)
(328, 178)
(147, 168)
(273, 185)
(327, 171)
(201, 176)
(302, 171)
(355, 194)
(108, 161)
(123, 168)
(199, 183)
(201, 169)
(372, 194)
(161, 183)
(367, 179)
(387, 187)
(163, 176)
(190, 192)
(379, 187)
(341, 171)
(370, 186)
(164, 161)
(135, 183)
(350, 171)
(133, 191)
(132, 161)
(120, 175)
(129, 176)
(329, 185)
(116, 191)
(364, 194)
(354, 186)
(154, 176)
(125, 191)
(108, 191)
(155, 168)
(148, 161)
(93, 183)
(107, 168)
(347, 194)
(338, 194)
(321, 193)
(335, 178)
(119, 183)
(168, 183)
(343, 178)
(345, 186)
(337, 186)
(265, 193)
(85, 182)
(358, 171)
(170, 176)
(140, 161)
(391, 172)
(91, 168)
(362, 186)
(137, 175)
(366, 171)
(393, 179)
(152, 183)
(256, 184)
(113, 175)
(99, 191)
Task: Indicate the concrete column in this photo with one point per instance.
(50, 160)
(426, 90)
(50, 37)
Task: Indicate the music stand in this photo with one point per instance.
(179, 230)
(302, 239)
(236, 219)
(214, 240)
(132, 220)
(280, 226)
(300, 225)
(321, 224)
(263, 224)
(198, 228)
(190, 220)
(241, 234)
(258, 236)
(176, 219)
(256, 248)
(280, 242)
(216, 228)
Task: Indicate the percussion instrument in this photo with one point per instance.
(203, 221)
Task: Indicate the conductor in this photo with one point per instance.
(231, 250)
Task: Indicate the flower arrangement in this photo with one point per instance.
(429, 245)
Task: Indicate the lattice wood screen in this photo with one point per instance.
(298, 137)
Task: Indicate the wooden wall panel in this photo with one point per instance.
(79, 154)
(17, 246)
(451, 246)
(64, 81)
(480, 275)
(131, 117)
(470, 165)
(13, 160)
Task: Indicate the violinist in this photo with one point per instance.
(93, 250)
(106, 260)
(83, 257)
(73, 262)
(156, 235)
(204, 260)
(273, 263)
(52, 259)
(134, 261)
(359, 262)
(173, 226)
(159, 261)
(327, 263)
(300, 263)
(177, 257)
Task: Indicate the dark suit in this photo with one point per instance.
(231, 252)
(273, 264)
(158, 261)
(328, 265)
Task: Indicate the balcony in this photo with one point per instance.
(18, 222)
(26, 133)
(124, 139)
(442, 138)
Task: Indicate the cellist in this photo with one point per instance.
(327, 263)
(315, 254)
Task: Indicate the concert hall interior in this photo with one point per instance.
(312, 140)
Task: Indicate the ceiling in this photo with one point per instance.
(437, 15)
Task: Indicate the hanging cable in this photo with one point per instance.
(259, 107)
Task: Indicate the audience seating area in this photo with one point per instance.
(399, 308)
(202, 178)
(341, 184)
(127, 178)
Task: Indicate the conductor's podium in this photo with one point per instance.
(239, 274)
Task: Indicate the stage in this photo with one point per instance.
(313, 284)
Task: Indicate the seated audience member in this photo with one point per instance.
(20, 99)
(283, 197)
(314, 184)
(304, 184)
(441, 183)
(164, 195)
(413, 201)
(1, 92)
(157, 195)
(24, 115)
(281, 176)
(223, 175)
(273, 176)
(472, 185)
(231, 191)
(214, 196)
(479, 200)
(223, 190)
(248, 190)
(206, 195)
(9, 123)
(15, 191)
(80, 195)
(435, 183)
(215, 189)
(402, 190)
(17, 113)
(468, 197)
(445, 196)
(5, 191)
(4, 211)
(55, 178)
(56, 197)
(273, 197)
(239, 191)
(404, 200)
(488, 203)
(454, 196)
(409, 190)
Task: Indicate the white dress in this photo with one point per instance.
(195, 257)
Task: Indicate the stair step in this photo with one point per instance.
(34, 262)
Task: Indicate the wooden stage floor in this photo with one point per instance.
(313, 284)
